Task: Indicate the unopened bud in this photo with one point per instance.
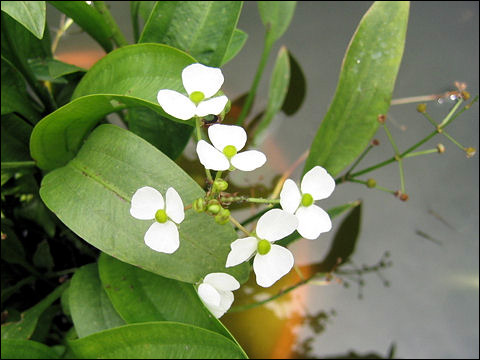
(223, 217)
(404, 197)
(214, 207)
(220, 185)
(375, 142)
(371, 183)
(422, 108)
(381, 118)
(465, 95)
(440, 148)
(470, 152)
(199, 205)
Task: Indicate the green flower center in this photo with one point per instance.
(229, 151)
(197, 96)
(263, 247)
(307, 200)
(161, 216)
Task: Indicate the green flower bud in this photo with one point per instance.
(199, 205)
(161, 216)
(371, 183)
(307, 200)
(223, 217)
(422, 108)
(263, 247)
(220, 185)
(214, 207)
(230, 151)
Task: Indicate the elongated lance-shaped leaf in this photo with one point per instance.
(31, 14)
(237, 41)
(92, 195)
(201, 28)
(364, 89)
(276, 16)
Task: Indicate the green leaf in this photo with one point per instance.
(26, 349)
(297, 87)
(92, 193)
(157, 340)
(364, 89)
(135, 73)
(36, 211)
(31, 14)
(52, 70)
(42, 258)
(201, 28)
(89, 19)
(90, 308)
(24, 328)
(278, 90)
(141, 296)
(167, 136)
(276, 16)
(15, 135)
(237, 42)
(139, 8)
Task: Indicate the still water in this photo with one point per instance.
(425, 305)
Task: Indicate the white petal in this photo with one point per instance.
(198, 77)
(208, 294)
(290, 196)
(248, 160)
(275, 224)
(318, 183)
(176, 104)
(242, 250)
(211, 158)
(163, 237)
(222, 281)
(145, 203)
(273, 265)
(222, 135)
(212, 106)
(226, 300)
(312, 221)
(174, 206)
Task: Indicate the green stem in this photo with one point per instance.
(358, 160)
(449, 137)
(239, 226)
(423, 152)
(256, 81)
(375, 187)
(198, 130)
(450, 114)
(249, 199)
(117, 34)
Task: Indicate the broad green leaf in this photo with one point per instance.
(134, 73)
(31, 14)
(24, 328)
(237, 42)
(92, 193)
(26, 349)
(141, 296)
(15, 134)
(277, 92)
(90, 308)
(157, 340)
(52, 70)
(276, 16)
(201, 28)
(364, 89)
(89, 19)
(297, 87)
(167, 136)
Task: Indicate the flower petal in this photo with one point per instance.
(163, 237)
(318, 183)
(222, 281)
(242, 250)
(273, 265)
(312, 221)
(211, 158)
(290, 196)
(176, 104)
(145, 203)
(198, 77)
(248, 160)
(275, 224)
(208, 294)
(222, 135)
(211, 106)
(226, 300)
(174, 206)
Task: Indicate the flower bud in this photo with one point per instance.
(199, 205)
(381, 118)
(214, 207)
(220, 185)
(375, 142)
(422, 108)
(371, 183)
(404, 197)
(223, 217)
(470, 152)
(440, 148)
(465, 95)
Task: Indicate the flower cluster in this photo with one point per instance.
(298, 211)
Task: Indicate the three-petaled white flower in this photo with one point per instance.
(201, 83)
(317, 184)
(227, 140)
(216, 292)
(147, 204)
(271, 261)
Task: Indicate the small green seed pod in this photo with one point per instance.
(220, 185)
(223, 217)
(214, 207)
(371, 183)
(200, 205)
(422, 108)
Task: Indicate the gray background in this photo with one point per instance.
(431, 308)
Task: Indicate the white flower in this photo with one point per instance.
(201, 83)
(147, 204)
(227, 140)
(216, 292)
(317, 184)
(271, 261)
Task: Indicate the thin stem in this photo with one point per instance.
(423, 152)
(359, 159)
(199, 137)
(267, 48)
(402, 176)
(449, 137)
(239, 226)
(64, 25)
(117, 34)
(409, 100)
(249, 199)
(450, 114)
(375, 187)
